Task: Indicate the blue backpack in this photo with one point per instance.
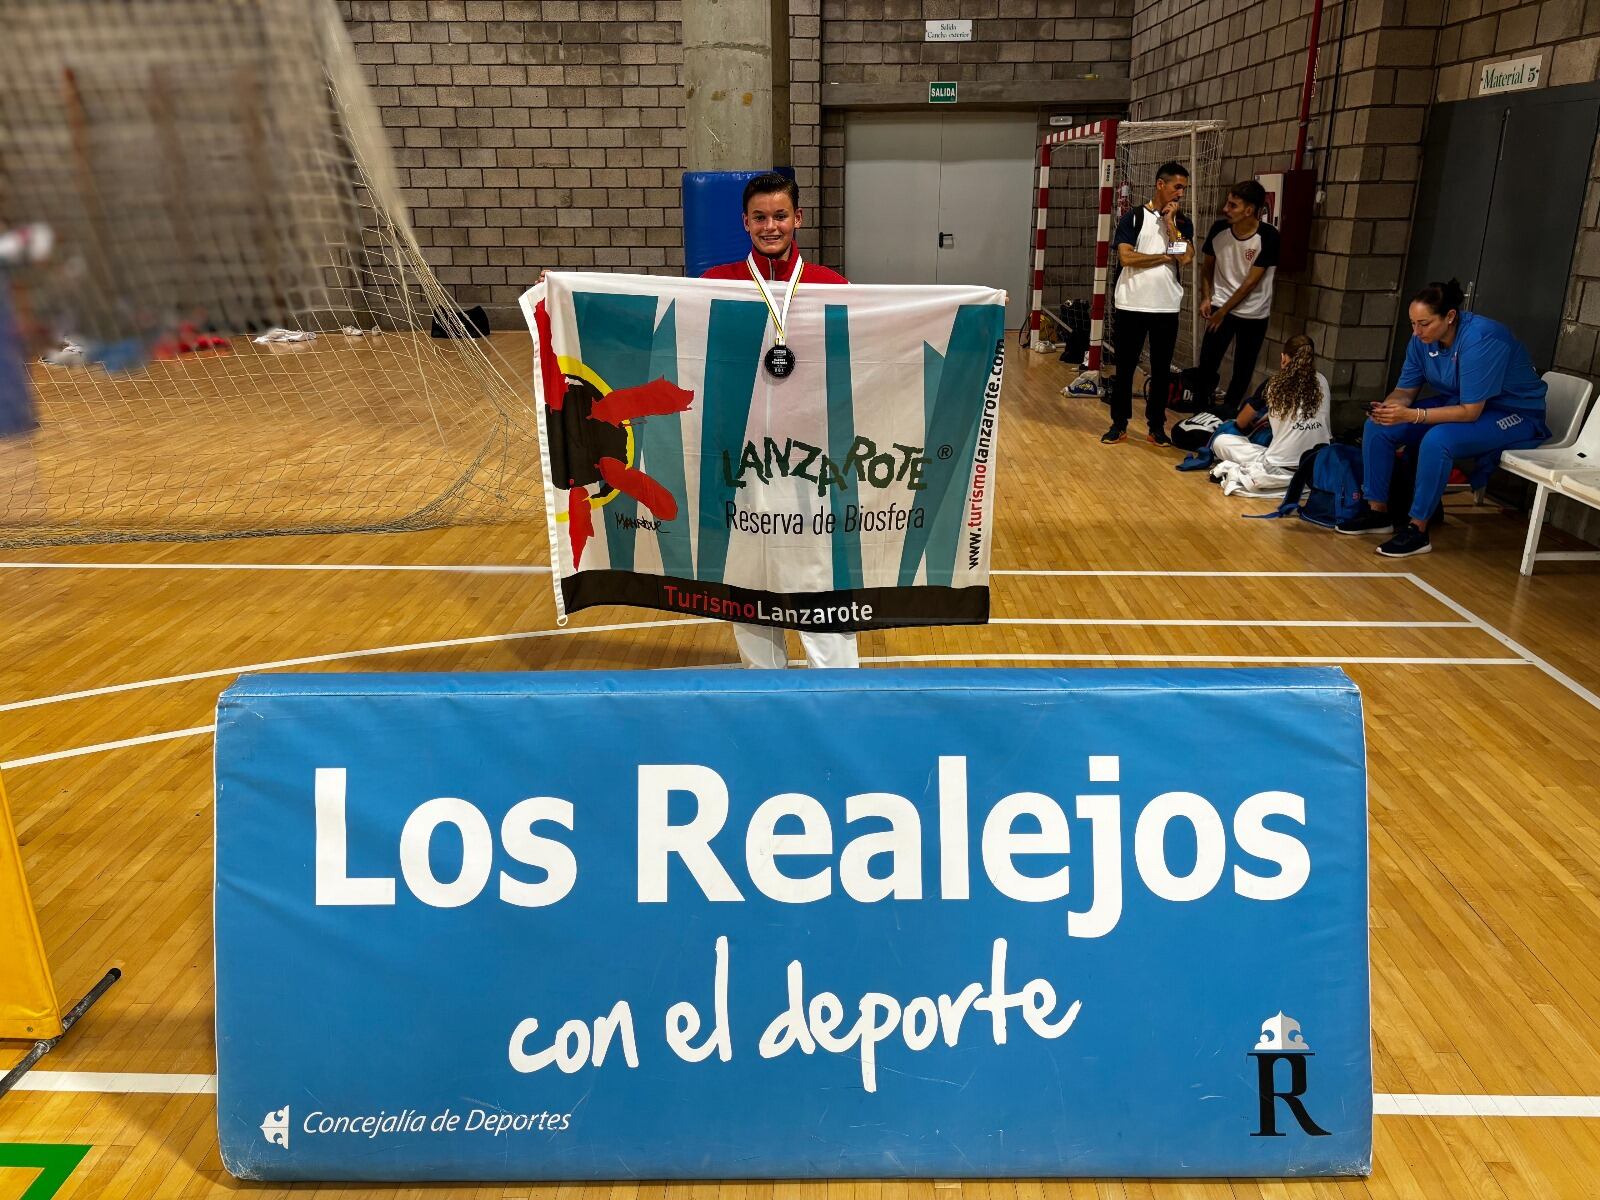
(1329, 477)
(1335, 491)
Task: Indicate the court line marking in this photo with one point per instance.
(445, 568)
(1326, 660)
(1554, 672)
(483, 639)
(306, 660)
(54, 755)
(1047, 571)
(1233, 623)
(533, 568)
(1469, 620)
(197, 730)
(1257, 659)
(1387, 1104)
(118, 1083)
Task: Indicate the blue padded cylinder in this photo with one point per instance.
(713, 232)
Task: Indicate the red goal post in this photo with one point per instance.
(1124, 156)
(1105, 132)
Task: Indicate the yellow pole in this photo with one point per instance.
(28, 1006)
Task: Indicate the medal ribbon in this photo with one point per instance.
(778, 317)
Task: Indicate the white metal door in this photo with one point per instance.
(891, 198)
(941, 198)
(987, 202)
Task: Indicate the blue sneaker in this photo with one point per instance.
(1410, 540)
(1367, 521)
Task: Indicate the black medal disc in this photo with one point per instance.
(780, 362)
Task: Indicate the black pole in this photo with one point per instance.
(68, 1020)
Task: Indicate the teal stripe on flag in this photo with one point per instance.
(841, 435)
(615, 342)
(661, 452)
(916, 542)
(734, 338)
(953, 399)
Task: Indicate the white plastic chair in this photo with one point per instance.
(1583, 486)
(1565, 403)
(1574, 447)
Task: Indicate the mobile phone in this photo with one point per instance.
(1178, 248)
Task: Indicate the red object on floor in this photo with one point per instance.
(186, 340)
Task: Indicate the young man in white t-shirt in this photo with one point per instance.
(1152, 244)
(1241, 258)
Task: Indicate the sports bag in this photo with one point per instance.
(1326, 487)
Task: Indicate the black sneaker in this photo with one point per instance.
(1407, 542)
(1117, 433)
(1367, 521)
(1158, 436)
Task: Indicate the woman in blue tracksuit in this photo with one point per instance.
(1488, 399)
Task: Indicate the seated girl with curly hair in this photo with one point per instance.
(1297, 407)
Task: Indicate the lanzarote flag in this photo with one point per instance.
(855, 491)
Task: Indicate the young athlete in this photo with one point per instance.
(1297, 403)
(772, 213)
(1240, 258)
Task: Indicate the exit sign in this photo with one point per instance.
(941, 93)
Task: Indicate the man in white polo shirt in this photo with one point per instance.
(1152, 244)
(1241, 258)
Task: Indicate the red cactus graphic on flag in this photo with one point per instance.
(597, 449)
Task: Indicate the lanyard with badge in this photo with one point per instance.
(1172, 239)
(779, 360)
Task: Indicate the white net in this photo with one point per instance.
(211, 171)
(1142, 147)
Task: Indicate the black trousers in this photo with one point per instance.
(1246, 334)
(1128, 338)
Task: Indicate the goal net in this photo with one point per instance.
(1088, 178)
(179, 180)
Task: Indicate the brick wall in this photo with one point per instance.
(822, 237)
(881, 41)
(531, 134)
(1023, 43)
(1243, 64)
(536, 134)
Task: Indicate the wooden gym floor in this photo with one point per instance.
(1482, 713)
